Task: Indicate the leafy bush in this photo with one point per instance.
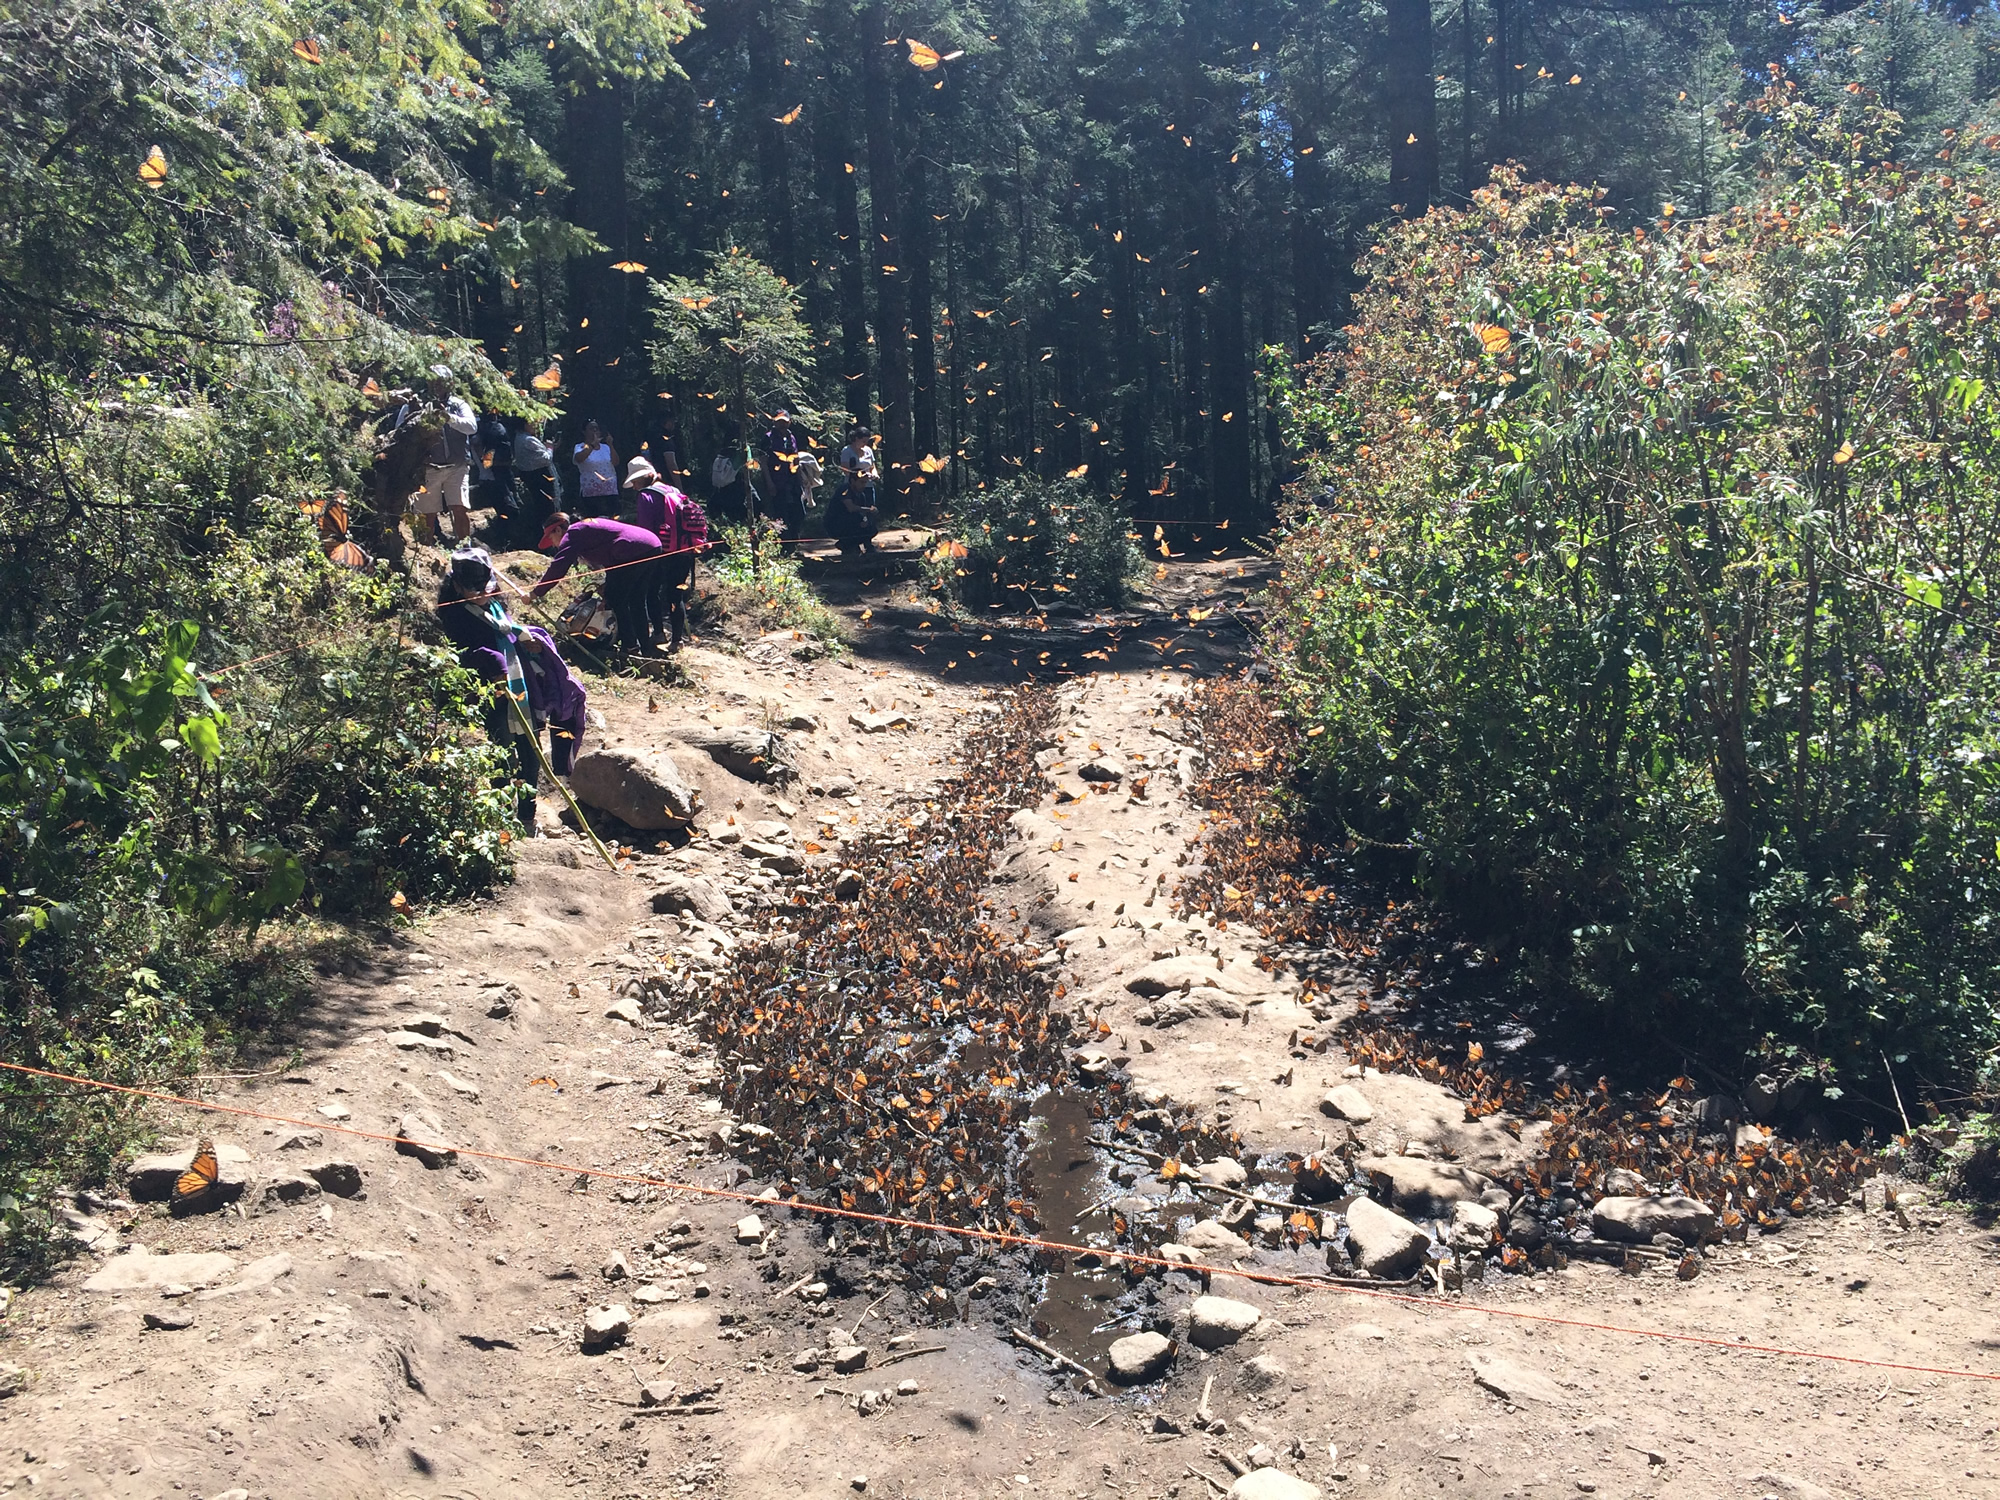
(1047, 543)
(198, 712)
(1650, 623)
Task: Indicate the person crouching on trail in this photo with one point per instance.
(626, 555)
(682, 528)
(532, 684)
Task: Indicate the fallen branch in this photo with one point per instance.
(883, 1364)
(1061, 1360)
(1219, 1487)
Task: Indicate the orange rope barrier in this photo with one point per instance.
(1023, 1241)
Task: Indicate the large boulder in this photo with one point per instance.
(641, 787)
(1639, 1219)
(1382, 1243)
(738, 749)
(1418, 1186)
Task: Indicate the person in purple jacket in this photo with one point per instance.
(623, 553)
(512, 657)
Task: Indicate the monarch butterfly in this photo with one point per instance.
(306, 49)
(153, 170)
(202, 1176)
(629, 267)
(549, 379)
(1492, 337)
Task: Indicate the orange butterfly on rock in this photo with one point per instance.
(202, 1177)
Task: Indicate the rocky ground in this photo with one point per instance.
(442, 1318)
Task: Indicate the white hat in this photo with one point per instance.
(638, 471)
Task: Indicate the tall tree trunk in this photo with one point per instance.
(1229, 398)
(892, 324)
(1503, 84)
(1466, 167)
(769, 78)
(599, 296)
(917, 238)
(838, 171)
(1411, 106)
(1134, 359)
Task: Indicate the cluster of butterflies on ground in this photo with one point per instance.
(895, 1044)
(1249, 866)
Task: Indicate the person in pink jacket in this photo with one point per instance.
(682, 528)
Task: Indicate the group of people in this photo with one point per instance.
(648, 567)
(648, 561)
(795, 474)
(505, 462)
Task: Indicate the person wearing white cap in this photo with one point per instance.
(449, 465)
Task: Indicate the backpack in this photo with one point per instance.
(690, 523)
(589, 617)
(721, 473)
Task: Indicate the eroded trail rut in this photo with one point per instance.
(995, 1020)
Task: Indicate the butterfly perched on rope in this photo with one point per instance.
(198, 1182)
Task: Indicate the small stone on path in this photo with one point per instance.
(1346, 1102)
(424, 1139)
(605, 1326)
(1383, 1243)
(1140, 1357)
(749, 1230)
(1219, 1321)
(1272, 1484)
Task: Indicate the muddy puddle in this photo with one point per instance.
(1080, 1311)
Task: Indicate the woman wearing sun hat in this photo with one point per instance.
(682, 528)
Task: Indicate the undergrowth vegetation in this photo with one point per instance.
(211, 738)
(1647, 622)
(1029, 544)
(765, 593)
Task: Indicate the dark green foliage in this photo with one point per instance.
(1650, 626)
(1030, 545)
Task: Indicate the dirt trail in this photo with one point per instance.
(426, 1337)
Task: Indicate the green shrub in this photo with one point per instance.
(1029, 544)
(768, 594)
(1650, 622)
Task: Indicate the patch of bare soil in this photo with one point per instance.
(362, 1320)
